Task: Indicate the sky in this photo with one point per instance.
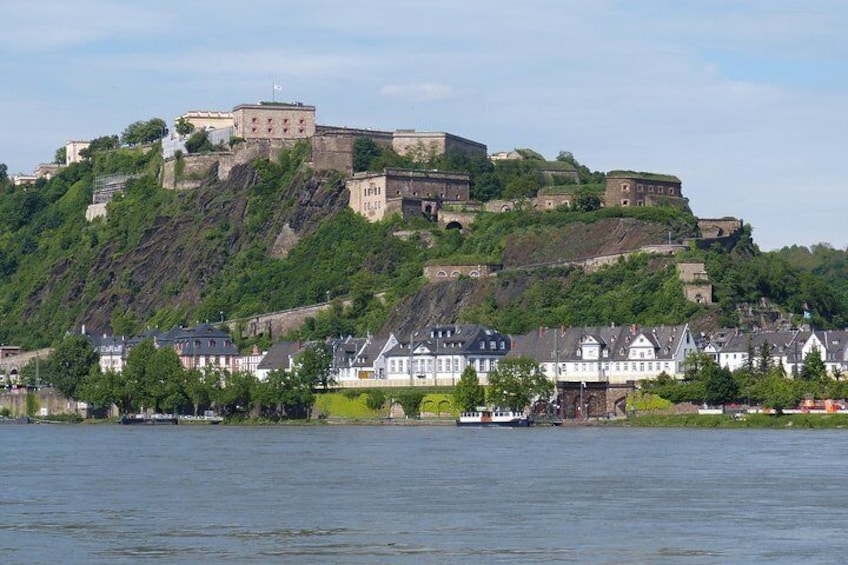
(745, 101)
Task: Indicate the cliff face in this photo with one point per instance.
(180, 253)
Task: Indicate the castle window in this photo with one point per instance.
(300, 130)
(270, 130)
(671, 191)
(638, 188)
(625, 202)
(253, 120)
(269, 120)
(650, 188)
(285, 130)
(252, 130)
(660, 189)
(285, 120)
(625, 187)
(640, 203)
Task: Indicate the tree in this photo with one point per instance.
(515, 383)
(585, 200)
(70, 364)
(764, 359)
(233, 392)
(4, 173)
(468, 392)
(778, 393)
(184, 127)
(365, 150)
(410, 400)
(163, 379)
(60, 156)
(197, 386)
(144, 131)
(199, 143)
(102, 388)
(314, 365)
(134, 393)
(719, 387)
(103, 143)
(813, 368)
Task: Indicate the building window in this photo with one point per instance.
(651, 188)
(285, 130)
(638, 188)
(659, 190)
(671, 191)
(300, 130)
(625, 202)
(625, 187)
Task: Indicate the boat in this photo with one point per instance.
(494, 417)
(151, 420)
(18, 420)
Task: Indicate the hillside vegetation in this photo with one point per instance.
(277, 235)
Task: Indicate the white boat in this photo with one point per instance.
(494, 417)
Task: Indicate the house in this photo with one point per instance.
(73, 151)
(596, 367)
(112, 351)
(736, 353)
(629, 188)
(250, 363)
(411, 192)
(787, 348)
(202, 346)
(274, 121)
(437, 355)
(608, 354)
(207, 119)
(280, 356)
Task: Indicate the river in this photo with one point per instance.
(423, 495)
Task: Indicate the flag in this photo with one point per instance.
(277, 87)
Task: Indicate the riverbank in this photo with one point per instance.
(762, 421)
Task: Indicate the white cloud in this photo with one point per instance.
(419, 92)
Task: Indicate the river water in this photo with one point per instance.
(422, 495)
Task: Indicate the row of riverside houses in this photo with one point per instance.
(786, 348)
(593, 367)
(597, 364)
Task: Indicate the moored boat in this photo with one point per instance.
(494, 417)
(19, 420)
(151, 420)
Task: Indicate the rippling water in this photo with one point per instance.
(423, 495)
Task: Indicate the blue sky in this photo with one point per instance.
(745, 101)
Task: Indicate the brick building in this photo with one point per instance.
(629, 188)
(424, 144)
(274, 120)
(408, 191)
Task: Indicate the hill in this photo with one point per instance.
(277, 234)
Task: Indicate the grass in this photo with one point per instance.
(802, 421)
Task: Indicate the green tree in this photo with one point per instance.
(102, 389)
(586, 201)
(198, 386)
(410, 400)
(144, 131)
(134, 393)
(515, 383)
(60, 156)
(365, 150)
(184, 127)
(719, 386)
(813, 368)
(99, 144)
(233, 393)
(4, 173)
(199, 143)
(70, 363)
(164, 377)
(468, 392)
(778, 393)
(764, 359)
(314, 366)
